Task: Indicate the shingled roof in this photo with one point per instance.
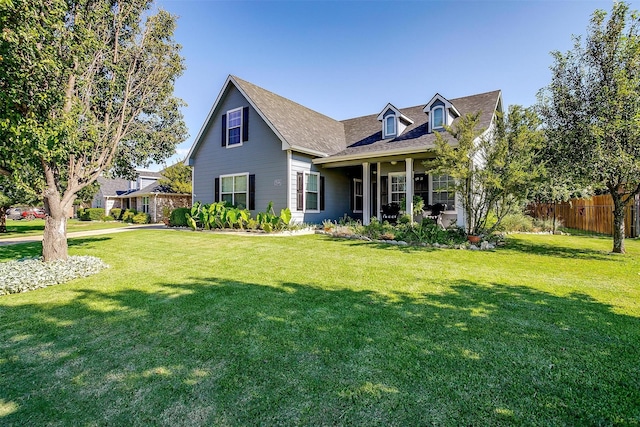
(301, 127)
(306, 130)
(364, 134)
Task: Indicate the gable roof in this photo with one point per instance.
(364, 136)
(112, 186)
(298, 127)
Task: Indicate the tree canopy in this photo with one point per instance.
(85, 87)
(177, 178)
(591, 110)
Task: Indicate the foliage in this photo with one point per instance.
(87, 87)
(128, 215)
(107, 218)
(141, 218)
(177, 178)
(92, 214)
(178, 217)
(30, 274)
(591, 109)
(219, 215)
(85, 196)
(115, 212)
(493, 169)
(418, 204)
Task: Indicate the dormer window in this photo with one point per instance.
(438, 118)
(441, 112)
(389, 126)
(393, 122)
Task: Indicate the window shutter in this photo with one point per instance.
(252, 192)
(300, 191)
(216, 190)
(384, 181)
(245, 124)
(322, 193)
(224, 130)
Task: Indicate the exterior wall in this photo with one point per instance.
(336, 195)
(261, 155)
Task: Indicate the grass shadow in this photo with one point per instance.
(555, 249)
(218, 352)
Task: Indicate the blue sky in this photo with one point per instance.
(348, 59)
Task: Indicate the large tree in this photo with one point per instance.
(85, 87)
(591, 110)
(177, 178)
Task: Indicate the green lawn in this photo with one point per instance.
(36, 227)
(201, 329)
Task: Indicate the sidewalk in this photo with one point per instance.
(31, 239)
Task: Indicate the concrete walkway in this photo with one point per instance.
(31, 239)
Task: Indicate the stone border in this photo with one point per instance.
(484, 245)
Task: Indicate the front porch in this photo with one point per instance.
(380, 185)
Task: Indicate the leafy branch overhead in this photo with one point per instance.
(86, 87)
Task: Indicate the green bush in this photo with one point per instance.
(115, 212)
(141, 218)
(107, 218)
(92, 214)
(128, 214)
(516, 223)
(178, 217)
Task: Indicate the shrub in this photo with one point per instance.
(141, 218)
(92, 214)
(107, 218)
(516, 223)
(178, 217)
(115, 213)
(128, 214)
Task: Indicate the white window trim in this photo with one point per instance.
(389, 184)
(386, 127)
(355, 196)
(145, 205)
(444, 117)
(431, 193)
(304, 192)
(234, 185)
(239, 144)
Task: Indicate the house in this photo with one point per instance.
(256, 146)
(144, 194)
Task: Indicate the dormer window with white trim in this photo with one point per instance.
(441, 112)
(437, 119)
(390, 126)
(393, 122)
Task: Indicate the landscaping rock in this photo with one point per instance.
(484, 245)
(402, 243)
(474, 248)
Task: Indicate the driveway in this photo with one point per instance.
(31, 239)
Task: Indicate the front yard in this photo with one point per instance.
(20, 228)
(198, 329)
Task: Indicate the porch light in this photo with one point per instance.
(393, 162)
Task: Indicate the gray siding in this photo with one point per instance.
(261, 155)
(336, 194)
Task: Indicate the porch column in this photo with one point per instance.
(378, 192)
(366, 193)
(409, 188)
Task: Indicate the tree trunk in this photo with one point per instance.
(618, 223)
(54, 242)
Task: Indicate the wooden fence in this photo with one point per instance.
(594, 214)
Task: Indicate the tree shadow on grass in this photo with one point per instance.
(557, 250)
(215, 351)
(34, 249)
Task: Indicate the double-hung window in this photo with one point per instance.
(145, 204)
(397, 187)
(234, 127)
(312, 191)
(234, 189)
(442, 186)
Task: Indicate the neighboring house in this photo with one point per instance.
(144, 195)
(256, 146)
